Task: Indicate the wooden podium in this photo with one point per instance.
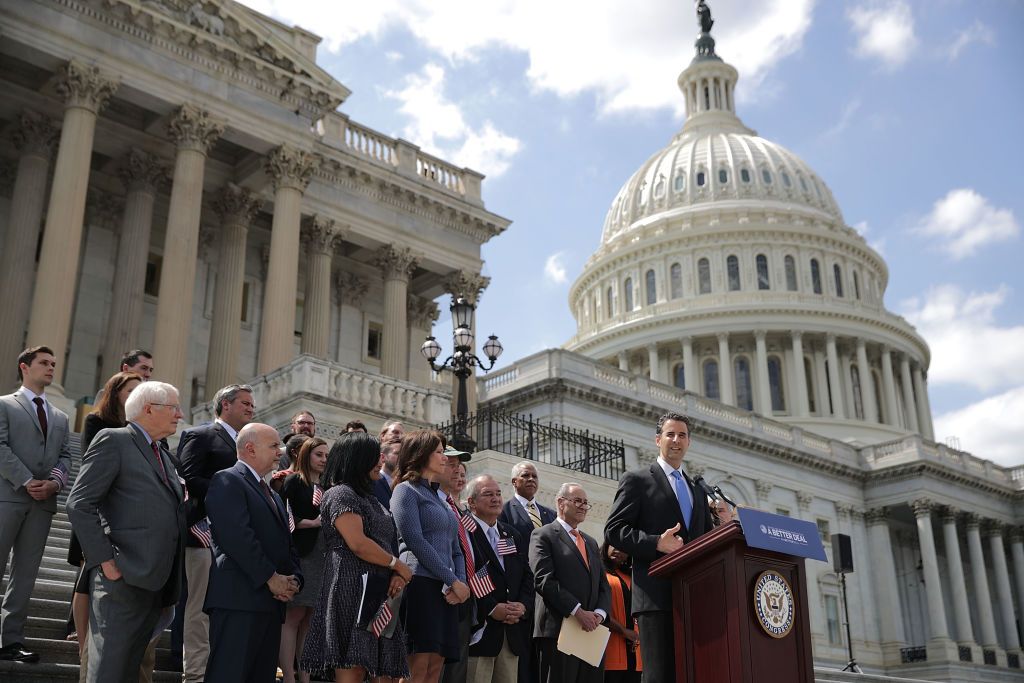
(718, 635)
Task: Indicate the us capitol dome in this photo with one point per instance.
(726, 268)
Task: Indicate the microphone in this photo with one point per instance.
(708, 491)
(718, 490)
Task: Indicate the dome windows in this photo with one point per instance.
(766, 176)
(651, 288)
(659, 187)
(676, 281)
(744, 393)
(775, 387)
(856, 285)
(732, 269)
(711, 388)
(815, 276)
(723, 176)
(785, 180)
(837, 272)
(803, 184)
(627, 289)
(609, 303)
(762, 272)
(704, 276)
(701, 178)
(790, 265)
(679, 182)
(745, 175)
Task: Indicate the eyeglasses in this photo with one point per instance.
(581, 503)
(176, 406)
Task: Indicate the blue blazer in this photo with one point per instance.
(251, 541)
(382, 490)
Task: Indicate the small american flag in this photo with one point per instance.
(468, 523)
(382, 620)
(201, 530)
(506, 546)
(480, 583)
(318, 494)
(291, 518)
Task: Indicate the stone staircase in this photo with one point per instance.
(49, 608)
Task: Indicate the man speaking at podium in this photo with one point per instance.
(656, 510)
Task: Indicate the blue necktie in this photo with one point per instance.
(685, 506)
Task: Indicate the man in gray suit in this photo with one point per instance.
(34, 465)
(128, 486)
(570, 583)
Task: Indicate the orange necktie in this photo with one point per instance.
(581, 546)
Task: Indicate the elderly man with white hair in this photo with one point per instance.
(127, 509)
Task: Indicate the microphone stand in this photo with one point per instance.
(851, 665)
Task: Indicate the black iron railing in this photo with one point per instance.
(909, 655)
(524, 437)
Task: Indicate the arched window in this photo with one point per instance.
(775, 384)
(744, 395)
(652, 290)
(732, 268)
(628, 289)
(785, 179)
(744, 175)
(815, 276)
(838, 273)
(701, 178)
(723, 176)
(659, 187)
(679, 376)
(711, 379)
(676, 278)
(790, 263)
(856, 285)
(609, 303)
(858, 399)
(809, 376)
(762, 272)
(704, 276)
(679, 184)
(766, 176)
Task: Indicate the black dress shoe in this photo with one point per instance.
(16, 652)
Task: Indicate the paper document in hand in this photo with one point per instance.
(573, 640)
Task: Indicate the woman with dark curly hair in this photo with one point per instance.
(430, 544)
(360, 538)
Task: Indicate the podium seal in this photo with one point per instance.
(773, 604)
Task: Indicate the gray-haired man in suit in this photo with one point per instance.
(34, 465)
(127, 509)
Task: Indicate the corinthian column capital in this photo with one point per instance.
(320, 235)
(85, 86)
(423, 313)
(236, 204)
(350, 288)
(194, 129)
(290, 167)
(922, 507)
(396, 264)
(35, 134)
(142, 171)
(466, 284)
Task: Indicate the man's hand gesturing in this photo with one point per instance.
(668, 541)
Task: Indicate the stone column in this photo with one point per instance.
(924, 418)
(85, 91)
(835, 388)
(883, 568)
(652, 363)
(940, 647)
(142, 175)
(320, 240)
(422, 314)
(690, 374)
(623, 361)
(892, 413)
(726, 387)
(237, 207)
(982, 597)
(1003, 593)
(801, 407)
(867, 383)
(350, 289)
(908, 394)
(397, 265)
(470, 286)
(291, 170)
(193, 132)
(763, 394)
(958, 587)
(34, 139)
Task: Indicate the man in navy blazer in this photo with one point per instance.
(255, 566)
(203, 451)
(656, 510)
(382, 487)
(498, 641)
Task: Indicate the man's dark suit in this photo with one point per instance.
(251, 542)
(563, 580)
(513, 514)
(127, 507)
(513, 583)
(645, 506)
(382, 490)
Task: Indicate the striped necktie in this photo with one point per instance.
(531, 509)
(467, 551)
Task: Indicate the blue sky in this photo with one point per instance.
(907, 109)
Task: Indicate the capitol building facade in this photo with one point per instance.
(180, 176)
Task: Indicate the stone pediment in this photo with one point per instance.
(244, 41)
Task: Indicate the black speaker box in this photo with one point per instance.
(842, 554)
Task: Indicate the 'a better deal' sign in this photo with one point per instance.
(782, 534)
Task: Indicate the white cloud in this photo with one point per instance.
(968, 345)
(975, 33)
(438, 125)
(964, 221)
(554, 269)
(863, 229)
(845, 119)
(992, 428)
(885, 31)
(628, 53)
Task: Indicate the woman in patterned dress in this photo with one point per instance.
(360, 538)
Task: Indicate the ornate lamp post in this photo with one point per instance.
(461, 363)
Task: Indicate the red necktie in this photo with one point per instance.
(467, 551)
(41, 414)
(270, 498)
(159, 461)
